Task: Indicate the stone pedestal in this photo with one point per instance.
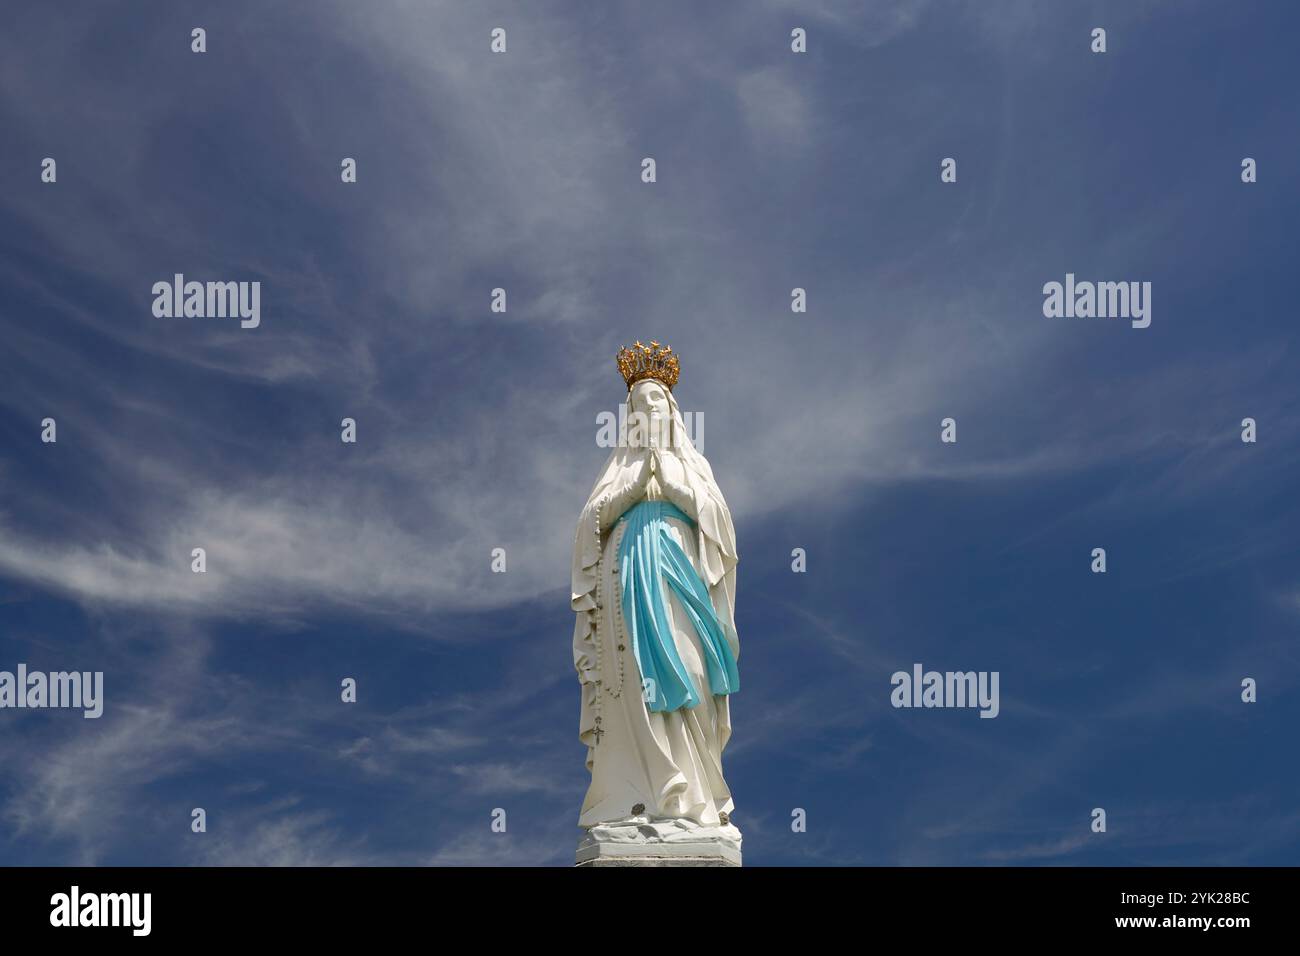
(641, 841)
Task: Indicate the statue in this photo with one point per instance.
(654, 643)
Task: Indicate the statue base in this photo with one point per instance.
(643, 841)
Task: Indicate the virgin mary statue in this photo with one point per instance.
(654, 643)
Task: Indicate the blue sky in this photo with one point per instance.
(477, 430)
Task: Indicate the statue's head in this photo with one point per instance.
(651, 397)
(650, 372)
(651, 415)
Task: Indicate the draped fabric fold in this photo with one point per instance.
(649, 560)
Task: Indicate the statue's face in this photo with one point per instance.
(652, 398)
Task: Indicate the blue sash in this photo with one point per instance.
(649, 558)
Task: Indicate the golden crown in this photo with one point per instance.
(648, 361)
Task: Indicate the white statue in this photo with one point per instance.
(655, 645)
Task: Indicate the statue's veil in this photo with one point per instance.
(715, 545)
